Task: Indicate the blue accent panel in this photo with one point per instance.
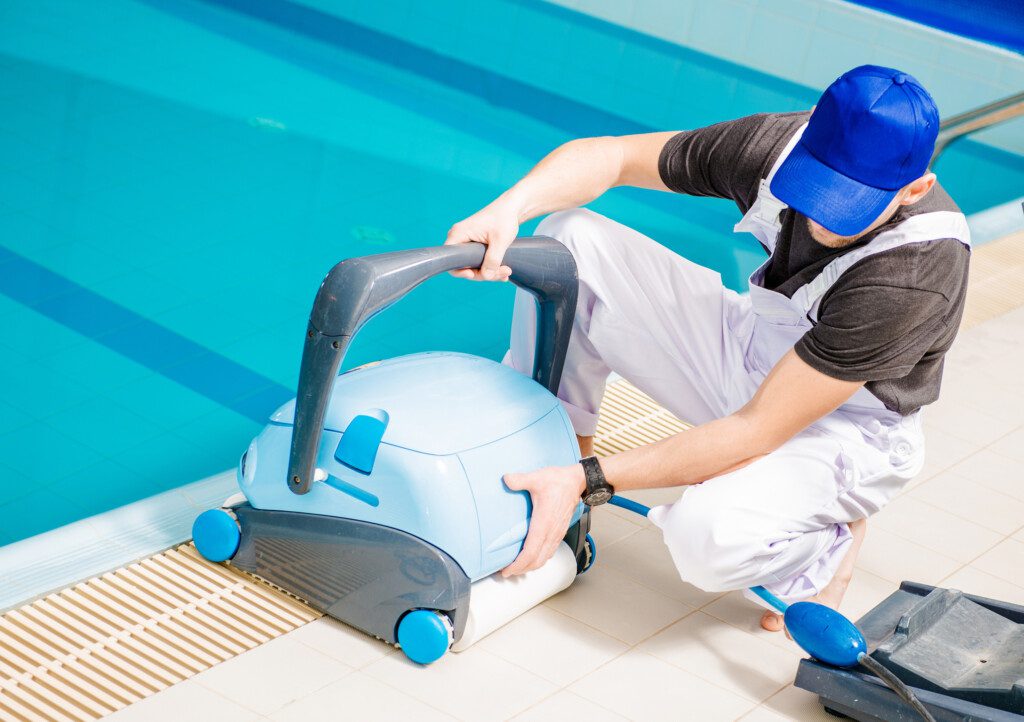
(630, 505)
(359, 442)
(134, 336)
(352, 490)
(825, 634)
(1000, 22)
(423, 635)
(773, 600)
(216, 535)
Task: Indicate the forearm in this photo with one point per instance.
(571, 175)
(792, 397)
(689, 457)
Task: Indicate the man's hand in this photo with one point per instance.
(554, 492)
(572, 175)
(497, 226)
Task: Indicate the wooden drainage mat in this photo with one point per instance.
(100, 645)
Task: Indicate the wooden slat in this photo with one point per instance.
(105, 643)
(996, 284)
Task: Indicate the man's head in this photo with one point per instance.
(865, 152)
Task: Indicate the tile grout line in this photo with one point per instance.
(973, 521)
(697, 674)
(936, 551)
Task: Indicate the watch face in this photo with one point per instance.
(598, 496)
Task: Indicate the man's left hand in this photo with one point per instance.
(554, 492)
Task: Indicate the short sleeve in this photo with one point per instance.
(727, 160)
(871, 333)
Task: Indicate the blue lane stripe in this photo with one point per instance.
(571, 118)
(497, 89)
(134, 336)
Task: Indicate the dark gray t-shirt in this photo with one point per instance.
(890, 318)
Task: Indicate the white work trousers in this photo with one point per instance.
(672, 329)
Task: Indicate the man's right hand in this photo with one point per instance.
(572, 175)
(496, 226)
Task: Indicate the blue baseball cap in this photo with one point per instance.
(872, 132)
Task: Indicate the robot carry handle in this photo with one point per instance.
(358, 288)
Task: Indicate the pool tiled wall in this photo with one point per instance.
(812, 41)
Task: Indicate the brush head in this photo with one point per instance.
(825, 634)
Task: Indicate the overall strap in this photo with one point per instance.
(766, 207)
(916, 229)
(785, 153)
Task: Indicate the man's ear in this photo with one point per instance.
(918, 189)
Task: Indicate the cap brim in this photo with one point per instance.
(840, 204)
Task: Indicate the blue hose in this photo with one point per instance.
(773, 600)
(630, 505)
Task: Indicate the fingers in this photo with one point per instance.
(504, 272)
(547, 526)
(459, 233)
(489, 269)
(515, 482)
(535, 553)
(527, 558)
(497, 240)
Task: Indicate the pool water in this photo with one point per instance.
(177, 177)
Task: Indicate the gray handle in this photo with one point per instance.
(358, 288)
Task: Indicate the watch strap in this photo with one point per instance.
(594, 476)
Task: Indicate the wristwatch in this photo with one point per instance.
(598, 489)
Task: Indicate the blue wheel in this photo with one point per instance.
(216, 535)
(591, 554)
(424, 635)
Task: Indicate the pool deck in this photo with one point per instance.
(629, 640)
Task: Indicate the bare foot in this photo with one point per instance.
(586, 445)
(833, 592)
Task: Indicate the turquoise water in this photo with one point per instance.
(176, 178)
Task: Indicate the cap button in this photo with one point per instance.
(899, 78)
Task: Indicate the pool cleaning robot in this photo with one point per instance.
(376, 495)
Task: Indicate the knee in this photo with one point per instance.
(711, 543)
(575, 228)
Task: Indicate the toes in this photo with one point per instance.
(771, 621)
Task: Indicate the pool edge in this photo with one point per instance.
(33, 567)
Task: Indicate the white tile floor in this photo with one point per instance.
(630, 641)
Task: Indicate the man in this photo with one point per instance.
(807, 393)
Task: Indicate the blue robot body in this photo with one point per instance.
(453, 424)
(376, 496)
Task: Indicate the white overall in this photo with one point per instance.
(701, 350)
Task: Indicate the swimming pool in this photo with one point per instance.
(177, 176)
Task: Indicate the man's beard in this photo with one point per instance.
(828, 238)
